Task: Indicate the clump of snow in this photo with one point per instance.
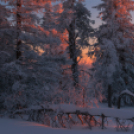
(127, 92)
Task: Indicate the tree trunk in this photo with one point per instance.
(18, 51)
(72, 51)
(119, 102)
(109, 96)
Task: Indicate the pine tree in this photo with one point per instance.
(37, 78)
(6, 33)
(76, 19)
(24, 23)
(114, 57)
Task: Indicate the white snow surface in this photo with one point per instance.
(120, 113)
(110, 112)
(15, 126)
(12, 126)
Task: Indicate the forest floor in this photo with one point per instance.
(18, 126)
(13, 126)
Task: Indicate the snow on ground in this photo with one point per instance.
(109, 112)
(13, 126)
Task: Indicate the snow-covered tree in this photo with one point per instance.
(6, 42)
(76, 19)
(57, 48)
(24, 23)
(113, 68)
(35, 82)
(38, 78)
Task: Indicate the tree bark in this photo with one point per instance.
(109, 96)
(119, 102)
(18, 16)
(72, 51)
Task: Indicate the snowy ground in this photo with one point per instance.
(17, 126)
(10, 126)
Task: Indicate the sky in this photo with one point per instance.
(94, 13)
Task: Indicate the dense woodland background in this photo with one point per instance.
(41, 44)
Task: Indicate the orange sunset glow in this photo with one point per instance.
(85, 60)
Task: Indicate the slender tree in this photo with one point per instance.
(18, 17)
(76, 19)
(6, 33)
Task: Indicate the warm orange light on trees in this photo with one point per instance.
(123, 8)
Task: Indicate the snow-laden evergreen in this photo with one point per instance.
(34, 78)
(113, 67)
(75, 18)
